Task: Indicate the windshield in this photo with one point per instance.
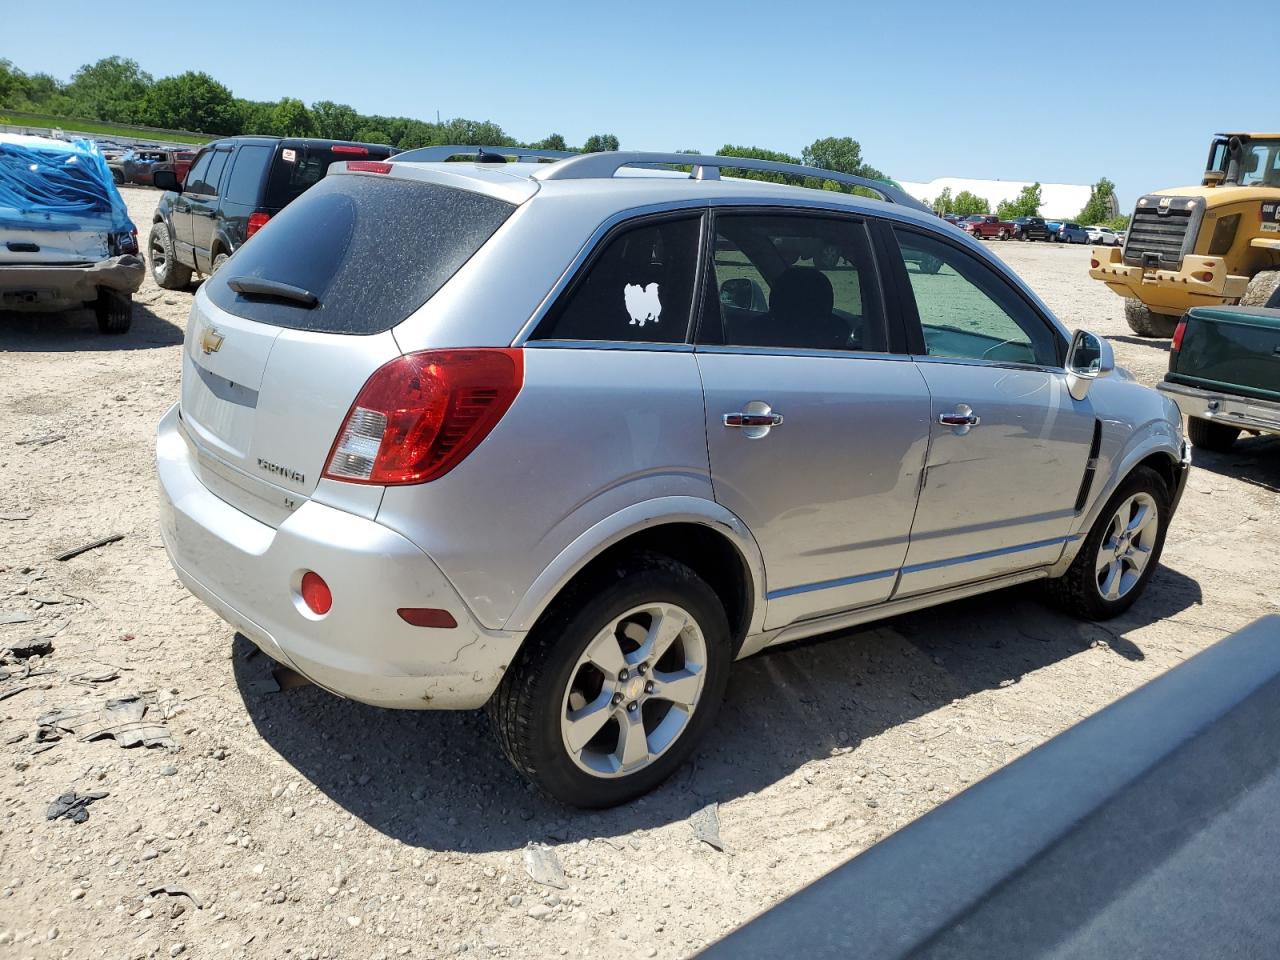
(1256, 163)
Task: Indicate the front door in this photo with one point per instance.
(816, 431)
(202, 202)
(180, 215)
(1008, 444)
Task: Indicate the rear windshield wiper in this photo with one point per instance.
(274, 290)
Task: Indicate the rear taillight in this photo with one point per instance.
(257, 220)
(349, 148)
(420, 415)
(1179, 332)
(368, 166)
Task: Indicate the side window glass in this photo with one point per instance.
(214, 173)
(793, 282)
(195, 176)
(245, 182)
(967, 310)
(639, 289)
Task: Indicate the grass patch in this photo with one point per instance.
(117, 130)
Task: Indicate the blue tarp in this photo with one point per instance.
(51, 185)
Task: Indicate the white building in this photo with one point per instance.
(1057, 200)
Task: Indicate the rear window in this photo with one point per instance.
(300, 167)
(371, 249)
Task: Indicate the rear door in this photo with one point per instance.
(202, 199)
(267, 380)
(817, 424)
(1008, 445)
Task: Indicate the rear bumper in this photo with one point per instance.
(58, 287)
(1243, 412)
(250, 573)
(1201, 281)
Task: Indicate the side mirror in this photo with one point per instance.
(743, 293)
(1089, 358)
(166, 180)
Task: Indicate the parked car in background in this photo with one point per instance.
(234, 187)
(988, 227)
(66, 240)
(356, 476)
(1030, 228)
(951, 218)
(1104, 236)
(139, 166)
(1224, 372)
(1071, 233)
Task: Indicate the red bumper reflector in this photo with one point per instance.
(427, 617)
(316, 594)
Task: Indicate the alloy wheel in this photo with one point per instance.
(634, 690)
(1127, 546)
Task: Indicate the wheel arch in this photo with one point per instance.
(698, 533)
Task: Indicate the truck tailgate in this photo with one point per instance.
(1231, 349)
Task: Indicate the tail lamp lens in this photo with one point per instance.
(1178, 333)
(428, 617)
(257, 221)
(316, 594)
(420, 415)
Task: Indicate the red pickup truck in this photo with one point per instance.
(988, 226)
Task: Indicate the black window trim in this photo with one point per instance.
(576, 274)
(895, 340)
(911, 313)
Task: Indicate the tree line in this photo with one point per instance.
(117, 90)
(1027, 204)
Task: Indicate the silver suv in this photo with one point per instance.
(565, 439)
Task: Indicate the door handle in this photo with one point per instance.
(752, 419)
(961, 416)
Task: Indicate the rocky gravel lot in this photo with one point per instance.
(272, 823)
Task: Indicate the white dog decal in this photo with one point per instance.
(642, 303)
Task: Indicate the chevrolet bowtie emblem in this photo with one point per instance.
(211, 341)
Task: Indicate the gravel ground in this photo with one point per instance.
(306, 826)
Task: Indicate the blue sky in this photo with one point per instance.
(993, 90)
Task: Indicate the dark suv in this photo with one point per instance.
(1031, 228)
(235, 186)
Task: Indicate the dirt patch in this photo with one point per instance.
(301, 825)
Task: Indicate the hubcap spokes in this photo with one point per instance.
(1127, 546)
(633, 690)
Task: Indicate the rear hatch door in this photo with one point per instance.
(284, 335)
(1231, 349)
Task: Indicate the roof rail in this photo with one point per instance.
(438, 154)
(588, 166)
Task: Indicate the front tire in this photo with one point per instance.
(1121, 552)
(1144, 323)
(1208, 435)
(616, 684)
(1003, 234)
(167, 272)
(114, 312)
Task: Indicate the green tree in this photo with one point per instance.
(114, 88)
(841, 154)
(417, 134)
(476, 133)
(944, 203)
(371, 135)
(291, 118)
(192, 101)
(600, 143)
(967, 204)
(255, 117)
(1102, 203)
(13, 83)
(1025, 204)
(553, 142)
(336, 121)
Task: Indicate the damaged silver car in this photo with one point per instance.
(66, 240)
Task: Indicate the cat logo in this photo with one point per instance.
(211, 340)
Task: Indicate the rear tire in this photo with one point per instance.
(1208, 435)
(165, 268)
(1003, 234)
(218, 261)
(1103, 580)
(554, 676)
(1263, 290)
(1145, 323)
(114, 312)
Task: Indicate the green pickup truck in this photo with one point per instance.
(1224, 373)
